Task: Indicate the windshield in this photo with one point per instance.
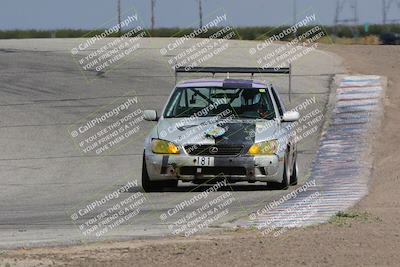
(246, 103)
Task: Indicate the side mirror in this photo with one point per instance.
(291, 116)
(150, 115)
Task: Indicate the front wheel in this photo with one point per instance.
(285, 179)
(154, 186)
(295, 172)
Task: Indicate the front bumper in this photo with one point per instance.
(235, 168)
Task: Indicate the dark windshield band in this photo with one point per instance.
(248, 103)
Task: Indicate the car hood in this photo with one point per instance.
(208, 130)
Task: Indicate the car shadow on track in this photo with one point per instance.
(203, 187)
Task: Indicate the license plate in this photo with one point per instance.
(204, 161)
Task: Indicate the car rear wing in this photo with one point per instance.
(228, 70)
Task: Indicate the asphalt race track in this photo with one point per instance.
(44, 177)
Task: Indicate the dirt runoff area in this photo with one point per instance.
(367, 235)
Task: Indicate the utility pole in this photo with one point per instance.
(386, 7)
(200, 13)
(384, 11)
(294, 16)
(119, 18)
(153, 19)
(355, 6)
(340, 5)
(351, 21)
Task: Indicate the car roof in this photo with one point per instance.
(223, 83)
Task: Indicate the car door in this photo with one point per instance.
(291, 141)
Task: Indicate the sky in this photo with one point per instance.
(90, 14)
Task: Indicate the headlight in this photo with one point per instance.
(264, 148)
(159, 146)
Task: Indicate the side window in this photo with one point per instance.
(277, 101)
(190, 99)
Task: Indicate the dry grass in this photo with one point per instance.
(367, 40)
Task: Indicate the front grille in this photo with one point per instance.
(214, 150)
(192, 170)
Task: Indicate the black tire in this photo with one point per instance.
(154, 186)
(295, 172)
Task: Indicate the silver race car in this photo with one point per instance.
(221, 129)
